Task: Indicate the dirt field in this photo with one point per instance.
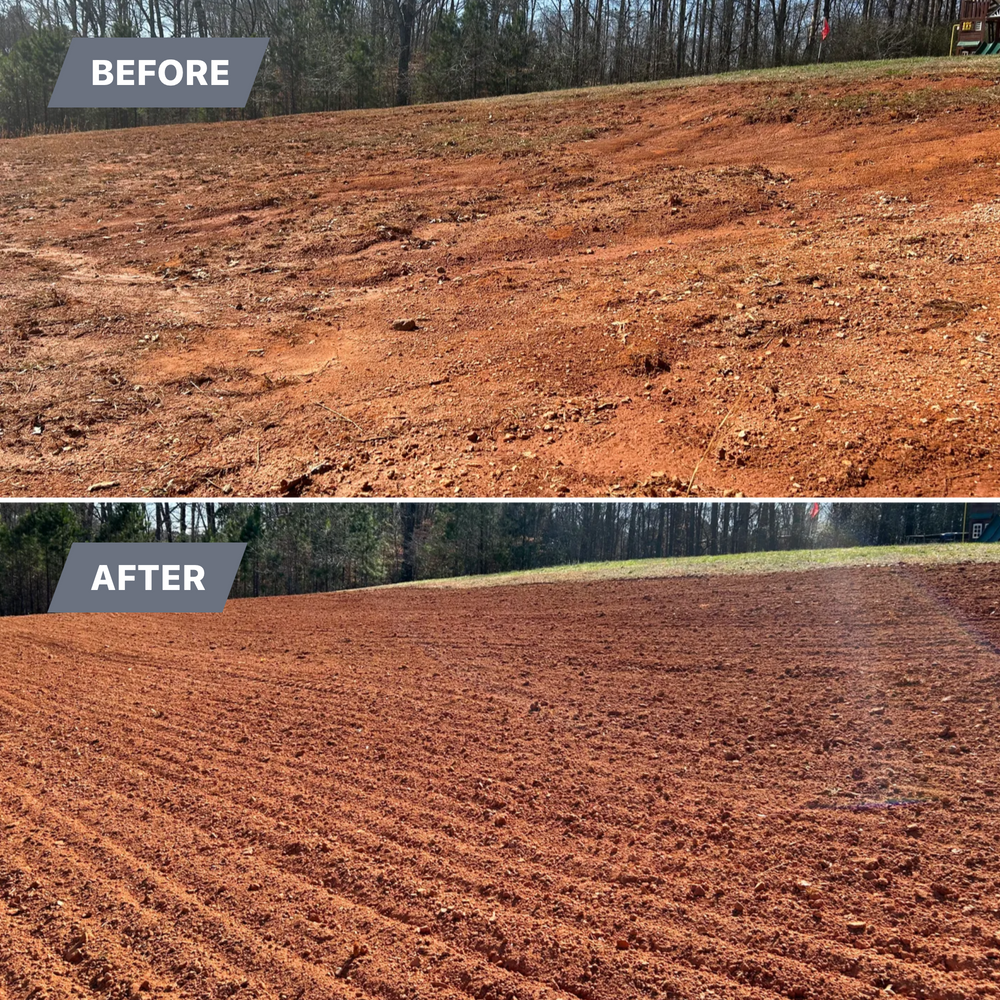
(772, 286)
(701, 788)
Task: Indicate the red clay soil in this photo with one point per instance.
(690, 788)
(767, 287)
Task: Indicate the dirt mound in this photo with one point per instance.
(772, 787)
(774, 286)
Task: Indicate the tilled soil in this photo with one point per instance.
(782, 786)
(774, 286)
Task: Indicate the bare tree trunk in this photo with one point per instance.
(408, 516)
(780, 22)
(619, 70)
(407, 19)
(726, 42)
(744, 51)
(756, 34)
(681, 36)
(199, 12)
(814, 30)
(708, 34)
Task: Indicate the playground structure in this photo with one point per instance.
(978, 28)
(982, 522)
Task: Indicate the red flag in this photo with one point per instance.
(826, 29)
(814, 510)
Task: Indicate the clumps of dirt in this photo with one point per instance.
(802, 275)
(567, 784)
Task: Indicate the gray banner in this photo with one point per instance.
(158, 72)
(147, 576)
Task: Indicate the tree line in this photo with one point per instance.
(327, 55)
(315, 547)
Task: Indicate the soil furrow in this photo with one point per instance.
(773, 787)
